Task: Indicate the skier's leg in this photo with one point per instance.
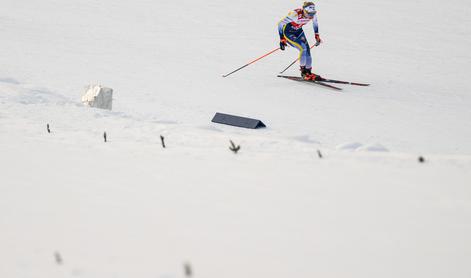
(292, 36)
(306, 54)
(305, 60)
(308, 58)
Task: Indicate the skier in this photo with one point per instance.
(291, 32)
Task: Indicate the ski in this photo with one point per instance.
(342, 82)
(300, 79)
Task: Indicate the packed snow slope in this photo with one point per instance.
(165, 59)
(130, 208)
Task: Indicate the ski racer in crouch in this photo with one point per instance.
(291, 32)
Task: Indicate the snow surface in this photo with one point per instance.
(129, 208)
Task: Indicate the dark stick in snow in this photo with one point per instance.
(162, 139)
(58, 258)
(188, 270)
(233, 147)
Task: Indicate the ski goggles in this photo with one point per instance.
(310, 10)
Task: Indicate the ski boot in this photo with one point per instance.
(307, 75)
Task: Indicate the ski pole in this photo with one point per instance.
(289, 66)
(259, 58)
(294, 62)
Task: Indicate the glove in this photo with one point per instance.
(283, 43)
(318, 40)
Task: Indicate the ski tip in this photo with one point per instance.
(360, 84)
(330, 86)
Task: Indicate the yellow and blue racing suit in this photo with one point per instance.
(291, 28)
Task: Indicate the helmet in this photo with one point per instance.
(309, 9)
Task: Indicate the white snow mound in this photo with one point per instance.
(98, 96)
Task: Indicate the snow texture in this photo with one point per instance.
(332, 188)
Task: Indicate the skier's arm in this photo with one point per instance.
(281, 25)
(315, 25)
(288, 19)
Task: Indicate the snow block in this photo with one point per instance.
(98, 96)
(232, 120)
